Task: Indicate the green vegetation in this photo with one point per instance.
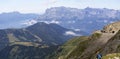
(112, 56)
(95, 35)
(79, 49)
(118, 48)
(26, 52)
(66, 49)
(75, 47)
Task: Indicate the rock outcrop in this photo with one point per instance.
(112, 28)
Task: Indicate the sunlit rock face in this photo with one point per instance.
(112, 28)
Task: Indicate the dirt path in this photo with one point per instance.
(96, 45)
(105, 37)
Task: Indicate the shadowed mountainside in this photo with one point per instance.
(37, 41)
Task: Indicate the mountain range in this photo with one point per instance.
(88, 19)
(40, 37)
(45, 41)
(16, 19)
(71, 18)
(60, 33)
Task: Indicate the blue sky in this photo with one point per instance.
(39, 6)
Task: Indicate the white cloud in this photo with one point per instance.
(56, 22)
(47, 22)
(53, 21)
(105, 21)
(71, 33)
(77, 29)
(29, 22)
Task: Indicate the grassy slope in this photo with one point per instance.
(74, 47)
(26, 52)
(76, 53)
(70, 46)
(66, 48)
(112, 56)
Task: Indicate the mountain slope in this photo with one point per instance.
(10, 36)
(113, 45)
(63, 51)
(87, 48)
(88, 19)
(77, 49)
(42, 33)
(37, 41)
(50, 33)
(26, 52)
(100, 42)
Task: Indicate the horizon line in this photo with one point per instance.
(55, 7)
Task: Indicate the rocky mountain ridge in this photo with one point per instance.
(73, 18)
(87, 47)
